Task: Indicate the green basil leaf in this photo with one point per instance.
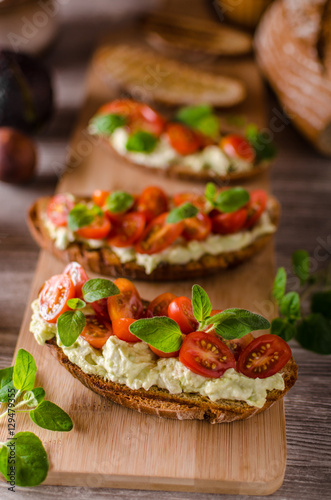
(283, 329)
(279, 287)
(50, 416)
(34, 397)
(321, 303)
(141, 142)
(232, 199)
(29, 458)
(185, 211)
(261, 142)
(290, 306)
(314, 334)
(106, 124)
(99, 288)
(301, 265)
(25, 370)
(210, 192)
(200, 303)
(76, 303)
(209, 126)
(192, 115)
(241, 323)
(119, 202)
(160, 332)
(7, 389)
(80, 216)
(69, 326)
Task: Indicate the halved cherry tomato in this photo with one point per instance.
(127, 230)
(59, 208)
(256, 206)
(206, 355)
(264, 356)
(101, 308)
(121, 329)
(78, 276)
(228, 223)
(197, 228)
(236, 346)
(183, 139)
(181, 311)
(127, 304)
(159, 305)
(97, 230)
(97, 331)
(152, 202)
(140, 116)
(162, 354)
(99, 197)
(198, 200)
(54, 295)
(236, 146)
(158, 235)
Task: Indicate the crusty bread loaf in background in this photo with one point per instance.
(293, 46)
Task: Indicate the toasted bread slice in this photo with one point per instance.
(183, 406)
(104, 261)
(167, 31)
(145, 74)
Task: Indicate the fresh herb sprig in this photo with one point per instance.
(106, 124)
(164, 334)
(17, 388)
(201, 118)
(185, 211)
(262, 143)
(312, 331)
(141, 142)
(82, 215)
(71, 323)
(119, 201)
(228, 200)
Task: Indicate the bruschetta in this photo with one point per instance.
(152, 236)
(191, 145)
(170, 357)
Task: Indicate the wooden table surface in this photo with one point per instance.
(301, 179)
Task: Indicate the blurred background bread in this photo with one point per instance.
(247, 13)
(293, 47)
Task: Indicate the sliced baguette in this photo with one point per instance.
(183, 406)
(104, 261)
(150, 77)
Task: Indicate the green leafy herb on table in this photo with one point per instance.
(17, 390)
(313, 331)
(261, 142)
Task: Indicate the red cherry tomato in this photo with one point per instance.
(236, 146)
(256, 206)
(162, 354)
(197, 200)
(181, 311)
(101, 308)
(54, 295)
(158, 235)
(59, 208)
(78, 276)
(197, 228)
(183, 139)
(206, 355)
(97, 230)
(99, 197)
(228, 223)
(127, 230)
(139, 116)
(159, 305)
(152, 202)
(121, 329)
(236, 346)
(97, 331)
(127, 304)
(264, 356)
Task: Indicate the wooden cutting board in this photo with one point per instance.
(111, 446)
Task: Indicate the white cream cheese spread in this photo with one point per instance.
(137, 367)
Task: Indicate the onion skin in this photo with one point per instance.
(18, 156)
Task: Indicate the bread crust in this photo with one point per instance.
(178, 171)
(104, 261)
(184, 406)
